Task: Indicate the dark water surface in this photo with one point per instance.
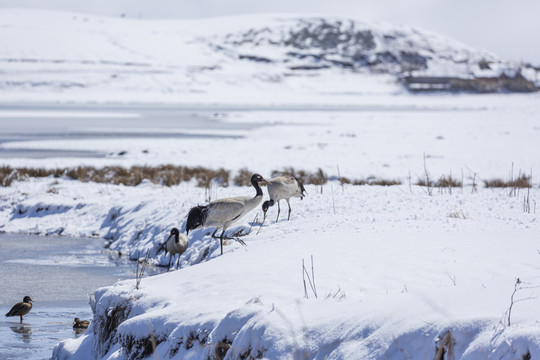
(58, 273)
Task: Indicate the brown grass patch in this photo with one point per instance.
(243, 178)
(522, 181)
(448, 182)
(167, 175)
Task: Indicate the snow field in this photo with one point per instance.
(395, 269)
(404, 271)
(462, 136)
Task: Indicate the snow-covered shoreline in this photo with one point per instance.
(398, 272)
(395, 269)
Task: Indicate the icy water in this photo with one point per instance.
(58, 273)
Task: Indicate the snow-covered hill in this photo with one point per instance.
(57, 56)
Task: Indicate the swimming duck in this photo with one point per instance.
(22, 308)
(80, 324)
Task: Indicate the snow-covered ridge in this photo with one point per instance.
(322, 42)
(88, 58)
(316, 43)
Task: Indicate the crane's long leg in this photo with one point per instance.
(278, 210)
(214, 234)
(288, 203)
(170, 258)
(221, 239)
(177, 261)
(21, 319)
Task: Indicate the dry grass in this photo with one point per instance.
(448, 182)
(445, 347)
(166, 175)
(459, 214)
(423, 182)
(520, 182)
(376, 181)
(169, 175)
(243, 178)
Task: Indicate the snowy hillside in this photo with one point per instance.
(57, 56)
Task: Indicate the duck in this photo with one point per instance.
(283, 188)
(222, 213)
(80, 324)
(21, 308)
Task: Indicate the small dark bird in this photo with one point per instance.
(80, 324)
(176, 244)
(22, 308)
(222, 213)
(283, 187)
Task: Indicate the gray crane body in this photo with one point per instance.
(222, 213)
(283, 188)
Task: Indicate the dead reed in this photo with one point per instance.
(521, 182)
(169, 175)
(166, 175)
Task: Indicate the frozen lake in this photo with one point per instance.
(447, 130)
(58, 273)
(79, 122)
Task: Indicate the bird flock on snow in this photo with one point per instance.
(222, 213)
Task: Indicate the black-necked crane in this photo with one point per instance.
(283, 188)
(222, 213)
(177, 243)
(22, 308)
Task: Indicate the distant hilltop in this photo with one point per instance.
(50, 56)
(421, 60)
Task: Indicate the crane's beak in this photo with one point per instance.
(263, 182)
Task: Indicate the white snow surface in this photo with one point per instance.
(394, 268)
(51, 56)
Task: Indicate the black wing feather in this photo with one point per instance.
(196, 217)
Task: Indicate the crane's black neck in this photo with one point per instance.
(255, 184)
(175, 233)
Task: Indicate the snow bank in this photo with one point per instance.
(395, 270)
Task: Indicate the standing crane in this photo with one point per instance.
(176, 244)
(222, 213)
(283, 187)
